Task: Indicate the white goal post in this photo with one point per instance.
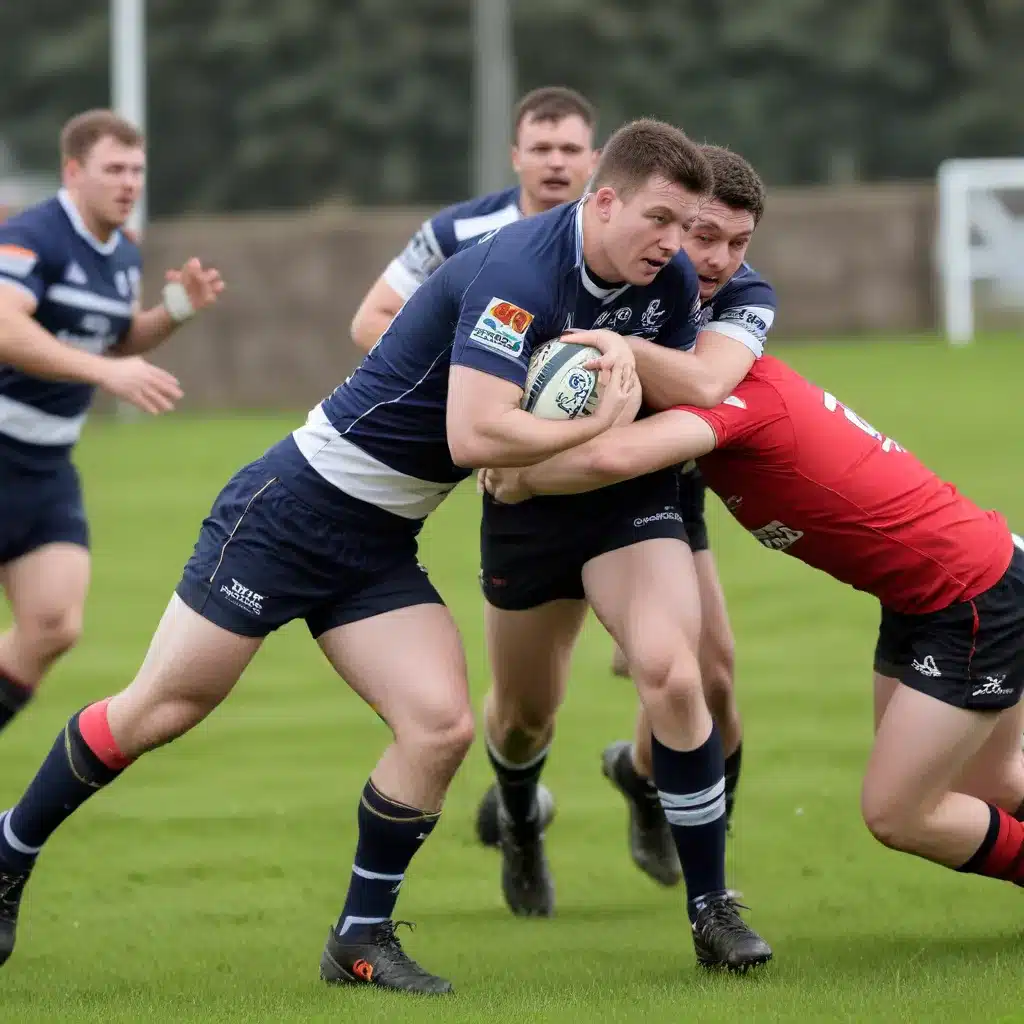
(980, 238)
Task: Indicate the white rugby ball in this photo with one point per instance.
(558, 387)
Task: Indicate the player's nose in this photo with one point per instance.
(672, 238)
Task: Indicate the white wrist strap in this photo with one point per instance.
(177, 303)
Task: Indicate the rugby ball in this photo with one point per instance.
(558, 386)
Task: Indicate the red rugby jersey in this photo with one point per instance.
(807, 476)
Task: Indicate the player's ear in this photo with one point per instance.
(595, 155)
(604, 200)
(71, 169)
(513, 154)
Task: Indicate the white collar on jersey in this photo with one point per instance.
(604, 294)
(104, 248)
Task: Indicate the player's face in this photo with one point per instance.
(553, 160)
(717, 244)
(108, 182)
(642, 233)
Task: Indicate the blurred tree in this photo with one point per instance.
(257, 105)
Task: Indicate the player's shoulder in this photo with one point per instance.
(43, 223)
(745, 288)
(462, 222)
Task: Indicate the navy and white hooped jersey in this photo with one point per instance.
(443, 234)
(743, 309)
(85, 291)
(381, 436)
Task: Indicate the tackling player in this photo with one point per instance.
(70, 322)
(807, 476)
(553, 155)
(323, 527)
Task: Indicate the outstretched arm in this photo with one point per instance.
(621, 453)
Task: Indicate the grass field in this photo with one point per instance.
(201, 886)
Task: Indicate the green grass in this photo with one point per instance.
(201, 886)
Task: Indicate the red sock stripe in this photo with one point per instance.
(1006, 858)
(95, 731)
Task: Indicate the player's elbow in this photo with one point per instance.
(468, 449)
(710, 392)
(610, 461)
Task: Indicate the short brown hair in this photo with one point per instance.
(552, 103)
(737, 184)
(82, 132)
(639, 150)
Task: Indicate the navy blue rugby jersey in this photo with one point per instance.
(444, 233)
(85, 293)
(381, 438)
(743, 309)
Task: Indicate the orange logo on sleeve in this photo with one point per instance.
(512, 316)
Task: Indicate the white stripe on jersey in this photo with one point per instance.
(753, 337)
(16, 261)
(604, 294)
(401, 279)
(471, 227)
(350, 469)
(79, 298)
(30, 425)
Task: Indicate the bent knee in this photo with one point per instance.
(890, 825)
(667, 674)
(52, 633)
(447, 734)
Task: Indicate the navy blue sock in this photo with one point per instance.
(390, 833)
(517, 784)
(732, 779)
(71, 773)
(691, 786)
(13, 697)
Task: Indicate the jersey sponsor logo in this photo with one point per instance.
(752, 320)
(927, 667)
(702, 317)
(992, 687)
(776, 535)
(75, 274)
(246, 599)
(17, 261)
(613, 319)
(420, 257)
(502, 328)
(653, 316)
(670, 515)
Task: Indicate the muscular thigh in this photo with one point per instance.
(48, 586)
(417, 681)
(530, 651)
(646, 597)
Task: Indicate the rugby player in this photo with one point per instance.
(623, 551)
(70, 322)
(735, 301)
(553, 155)
(807, 476)
(323, 527)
